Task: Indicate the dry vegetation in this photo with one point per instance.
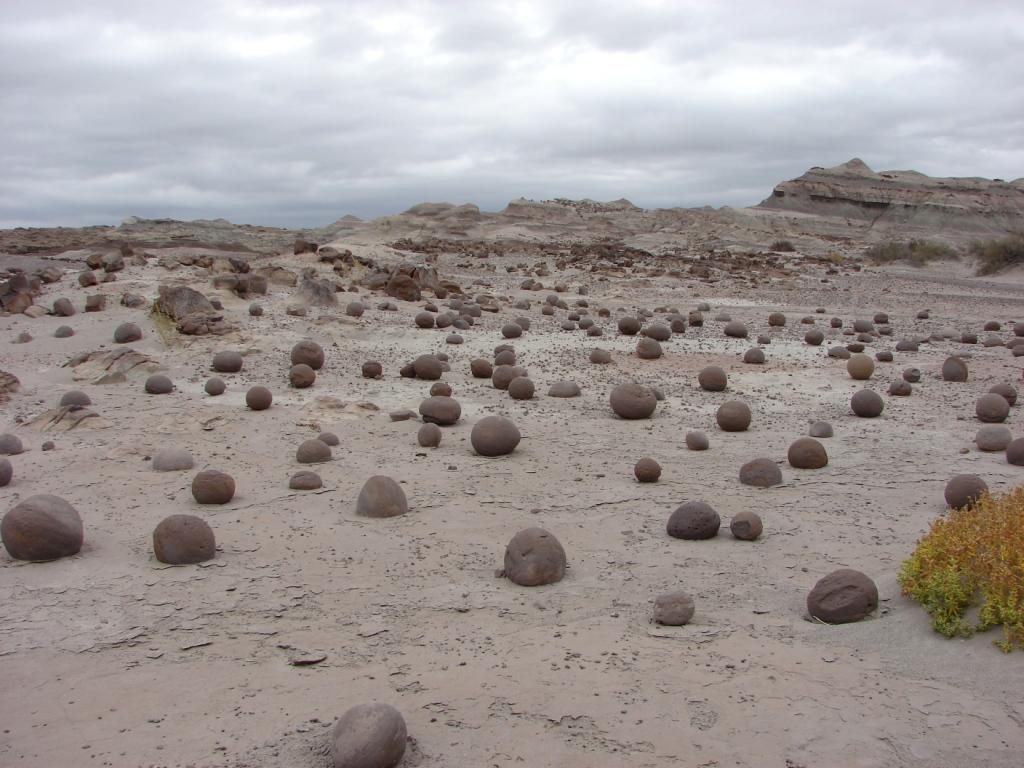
(915, 252)
(994, 256)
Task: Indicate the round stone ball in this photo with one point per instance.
(814, 337)
(63, 308)
(308, 352)
(381, 496)
(647, 470)
(182, 540)
(735, 329)
(534, 557)
(441, 410)
(746, 526)
(841, 353)
(301, 376)
(42, 527)
(440, 389)
(521, 388)
(754, 356)
(673, 609)
(733, 416)
(900, 388)
(6, 472)
(453, 338)
(511, 330)
(1015, 452)
(494, 436)
(76, 398)
(712, 378)
(600, 356)
(523, 322)
(355, 309)
(648, 349)
(368, 736)
(429, 436)
(427, 367)
(305, 480)
(656, 331)
(694, 520)
(64, 332)
(10, 445)
(313, 451)
(372, 370)
(867, 404)
(629, 326)
(760, 473)
(228, 361)
(820, 429)
(328, 438)
(126, 333)
(883, 356)
(632, 401)
(912, 375)
(697, 441)
(992, 408)
(481, 368)
(505, 356)
(213, 487)
(564, 389)
(259, 398)
(424, 320)
(255, 310)
(843, 596)
(504, 374)
(963, 490)
(172, 460)
(993, 437)
(860, 367)
(807, 453)
(954, 369)
(214, 386)
(158, 384)
(1005, 390)
(776, 319)
(906, 345)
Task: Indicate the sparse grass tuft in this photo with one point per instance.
(973, 556)
(782, 246)
(915, 252)
(996, 255)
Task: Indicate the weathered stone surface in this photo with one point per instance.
(843, 596)
(381, 496)
(534, 557)
(42, 527)
(368, 736)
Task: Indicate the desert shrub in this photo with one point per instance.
(973, 556)
(782, 246)
(915, 252)
(996, 255)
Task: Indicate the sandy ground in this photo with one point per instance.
(109, 658)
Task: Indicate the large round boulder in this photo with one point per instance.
(172, 459)
(259, 398)
(183, 539)
(860, 367)
(521, 388)
(735, 329)
(75, 398)
(697, 441)
(807, 453)
(381, 497)
(214, 386)
(440, 410)
(494, 436)
(632, 401)
(313, 451)
(648, 349)
(301, 376)
(42, 527)
(534, 557)
(564, 389)
(629, 326)
(158, 384)
(126, 333)
(712, 378)
(867, 404)
(843, 596)
(10, 445)
(733, 416)
(1015, 452)
(647, 470)
(429, 436)
(228, 361)
(213, 487)
(305, 480)
(760, 473)
(964, 490)
(992, 408)
(1008, 391)
(481, 368)
(694, 520)
(746, 525)
(673, 609)
(954, 369)
(368, 736)
(427, 367)
(308, 352)
(993, 437)
(503, 375)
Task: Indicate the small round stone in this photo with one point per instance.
(158, 384)
(629, 326)
(843, 596)
(1015, 452)
(673, 609)
(632, 401)
(259, 398)
(993, 437)
(172, 460)
(424, 320)
(564, 389)
(954, 369)
(820, 429)
(64, 332)
(807, 453)
(712, 378)
(313, 451)
(814, 337)
(600, 356)
(6, 472)
(481, 368)
(301, 376)
(76, 398)
(427, 367)
(912, 375)
(372, 370)
(228, 361)
(494, 436)
(381, 496)
(429, 436)
(213, 487)
(255, 310)
(521, 388)
(1008, 391)
(754, 356)
(308, 352)
(368, 736)
(512, 331)
(867, 404)
(534, 557)
(735, 329)
(328, 438)
(504, 355)
(776, 319)
(41, 528)
(746, 525)
(10, 445)
(992, 408)
(355, 309)
(126, 333)
(647, 470)
(963, 490)
(214, 386)
(648, 349)
(760, 473)
(733, 416)
(440, 389)
(860, 367)
(183, 540)
(305, 480)
(697, 441)
(441, 410)
(694, 520)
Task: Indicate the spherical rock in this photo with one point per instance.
(673, 609)
(214, 387)
(648, 349)
(534, 557)
(76, 398)
(355, 309)
(63, 308)
(814, 337)
(521, 388)
(860, 367)
(6, 472)
(733, 416)
(993, 437)
(313, 451)
(512, 330)
(883, 356)
(64, 332)
(494, 436)
(963, 490)
(776, 319)
(480, 368)
(372, 370)
(255, 310)
(600, 356)
(328, 438)
(172, 460)
(697, 441)
(126, 333)
(368, 736)
(761, 473)
(158, 384)
(429, 436)
(213, 487)
(807, 453)
(632, 401)
(754, 356)
(712, 378)
(301, 376)
(182, 540)
(228, 361)
(259, 398)
(505, 356)
(440, 389)
(441, 410)
(10, 445)
(912, 375)
(840, 353)
(1007, 391)
(305, 480)
(381, 497)
(843, 596)
(564, 389)
(1015, 452)
(647, 470)
(954, 369)
(820, 429)
(992, 408)
(42, 527)
(629, 326)
(424, 320)
(694, 520)
(746, 525)
(735, 329)
(656, 331)
(906, 345)
(308, 352)
(867, 404)
(900, 388)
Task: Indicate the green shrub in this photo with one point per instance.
(915, 252)
(782, 246)
(996, 255)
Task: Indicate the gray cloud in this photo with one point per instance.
(297, 113)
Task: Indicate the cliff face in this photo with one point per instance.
(901, 199)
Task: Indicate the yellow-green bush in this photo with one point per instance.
(973, 556)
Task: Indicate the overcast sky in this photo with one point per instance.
(296, 113)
